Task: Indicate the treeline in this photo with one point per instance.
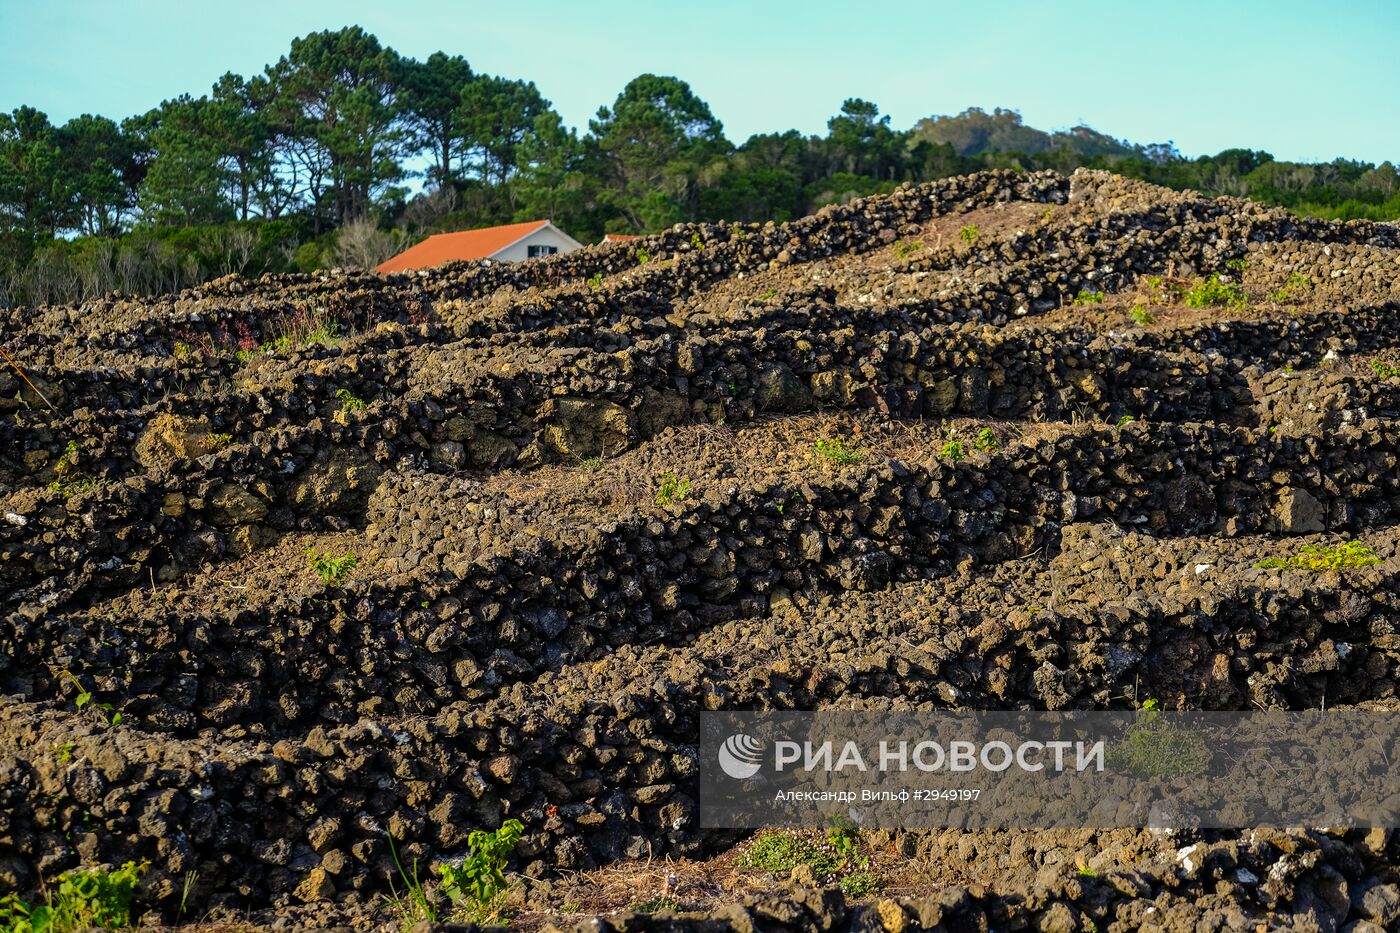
(343, 152)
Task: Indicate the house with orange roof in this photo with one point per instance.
(508, 243)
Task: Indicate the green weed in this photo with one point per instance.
(1152, 748)
(595, 281)
(1214, 293)
(81, 899)
(474, 886)
(1086, 297)
(1141, 316)
(906, 248)
(986, 441)
(672, 489)
(1318, 558)
(954, 451)
(1294, 282)
(657, 905)
(780, 853)
(969, 234)
(643, 256)
(332, 570)
(837, 452)
(349, 401)
(83, 699)
(1384, 370)
(861, 884)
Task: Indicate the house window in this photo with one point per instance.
(534, 251)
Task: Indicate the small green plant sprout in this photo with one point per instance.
(697, 242)
(1124, 421)
(1152, 747)
(595, 281)
(415, 905)
(846, 841)
(82, 899)
(590, 464)
(1046, 214)
(643, 256)
(332, 570)
(1295, 282)
(71, 489)
(349, 401)
(474, 886)
(63, 751)
(1237, 265)
(83, 699)
(1319, 558)
(955, 451)
(1214, 293)
(906, 248)
(837, 452)
(1153, 282)
(969, 234)
(182, 352)
(986, 441)
(1141, 316)
(672, 488)
(220, 441)
(768, 295)
(1384, 370)
(69, 460)
(1087, 297)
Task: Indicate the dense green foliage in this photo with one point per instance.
(343, 152)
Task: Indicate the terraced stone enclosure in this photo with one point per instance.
(997, 442)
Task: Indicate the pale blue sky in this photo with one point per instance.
(1302, 79)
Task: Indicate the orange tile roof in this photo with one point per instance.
(465, 244)
(617, 237)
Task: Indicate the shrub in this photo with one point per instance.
(1319, 558)
(474, 885)
(81, 900)
(1214, 293)
(837, 452)
(969, 234)
(672, 489)
(332, 570)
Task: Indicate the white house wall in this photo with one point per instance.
(545, 236)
